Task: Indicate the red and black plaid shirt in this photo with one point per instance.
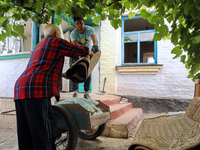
(42, 76)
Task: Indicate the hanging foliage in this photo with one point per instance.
(183, 17)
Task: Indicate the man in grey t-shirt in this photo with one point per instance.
(82, 35)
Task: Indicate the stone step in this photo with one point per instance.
(119, 109)
(107, 99)
(123, 126)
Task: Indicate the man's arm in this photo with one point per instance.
(94, 39)
(95, 43)
(75, 42)
(72, 50)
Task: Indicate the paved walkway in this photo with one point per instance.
(8, 137)
(8, 140)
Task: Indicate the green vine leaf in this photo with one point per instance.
(177, 20)
(5, 23)
(144, 14)
(177, 51)
(157, 37)
(131, 14)
(97, 19)
(196, 39)
(20, 29)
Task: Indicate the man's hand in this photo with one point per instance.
(64, 75)
(91, 54)
(94, 49)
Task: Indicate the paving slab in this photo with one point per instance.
(8, 140)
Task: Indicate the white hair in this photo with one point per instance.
(50, 29)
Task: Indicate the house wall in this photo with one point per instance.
(170, 82)
(95, 72)
(10, 70)
(108, 44)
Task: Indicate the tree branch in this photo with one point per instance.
(43, 6)
(113, 2)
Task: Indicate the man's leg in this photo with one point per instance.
(39, 117)
(75, 89)
(87, 87)
(25, 141)
(75, 85)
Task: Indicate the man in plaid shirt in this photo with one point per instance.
(37, 84)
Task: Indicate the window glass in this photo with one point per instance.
(146, 36)
(137, 24)
(138, 46)
(147, 52)
(130, 53)
(130, 37)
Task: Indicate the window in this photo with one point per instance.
(12, 45)
(137, 45)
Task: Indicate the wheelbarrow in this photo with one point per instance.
(73, 121)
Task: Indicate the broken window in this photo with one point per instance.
(137, 44)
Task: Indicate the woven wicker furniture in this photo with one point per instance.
(175, 132)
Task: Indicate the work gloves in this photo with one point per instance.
(94, 49)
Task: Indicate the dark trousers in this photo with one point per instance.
(86, 83)
(34, 128)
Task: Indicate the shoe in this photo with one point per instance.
(75, 95)
(87, 96)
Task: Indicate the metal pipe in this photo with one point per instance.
(6, 112)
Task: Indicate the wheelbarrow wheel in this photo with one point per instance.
(91, 134)
(65, 128)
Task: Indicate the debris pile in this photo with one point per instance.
(88, 104)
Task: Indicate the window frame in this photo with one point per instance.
(138, 44)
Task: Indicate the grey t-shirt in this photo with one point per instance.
(83, 39)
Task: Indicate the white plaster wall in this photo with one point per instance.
(170, 82)
(108, 42)
(10, 70)
(95, 72)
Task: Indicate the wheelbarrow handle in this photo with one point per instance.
(6, 112)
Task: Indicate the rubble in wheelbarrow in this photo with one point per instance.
(88, 104)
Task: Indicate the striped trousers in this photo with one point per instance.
(34, 124)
